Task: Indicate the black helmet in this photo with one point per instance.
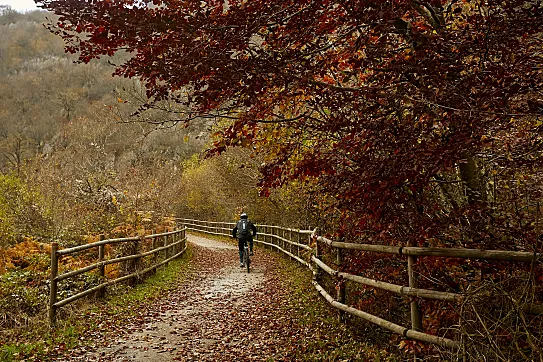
(243, 216)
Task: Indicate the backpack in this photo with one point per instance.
(243, 228)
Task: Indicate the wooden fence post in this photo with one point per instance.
(316, 272)
(153, 247)
(299, 241)
(137, 261)
(268, 237)
(165, 242)
(174, 247)
(184, 236)
(273, 231)
(102, 268)
(178, 238)
(341, 283)
(53, 285)
(290, 239)
(416, 316)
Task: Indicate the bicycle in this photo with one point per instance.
(246, 256)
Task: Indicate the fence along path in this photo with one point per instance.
(303, 246)
(173, 246)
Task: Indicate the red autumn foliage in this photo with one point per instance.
(418, 123)
(390, 97)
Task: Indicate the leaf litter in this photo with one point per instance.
(221, 313)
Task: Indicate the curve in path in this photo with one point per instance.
(200, 320)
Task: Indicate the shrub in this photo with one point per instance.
(20, 211)
(23, 294)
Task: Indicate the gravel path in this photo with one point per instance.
(206, 319)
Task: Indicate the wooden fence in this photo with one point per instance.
(275, 237)
(304, 247)
(170, 244)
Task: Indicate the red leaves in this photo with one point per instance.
(372, 104)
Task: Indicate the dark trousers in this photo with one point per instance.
(241, 245)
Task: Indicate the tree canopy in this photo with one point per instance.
(418, 121)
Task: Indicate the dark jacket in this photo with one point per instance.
(251, 226)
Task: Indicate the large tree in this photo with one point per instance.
(401, 112)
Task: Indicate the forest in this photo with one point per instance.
(74, 165)
(405, 123)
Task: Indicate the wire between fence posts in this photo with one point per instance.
(53, 287)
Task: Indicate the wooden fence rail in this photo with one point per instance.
(174, 245)
(307, 253)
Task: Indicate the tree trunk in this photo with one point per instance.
(470, 175)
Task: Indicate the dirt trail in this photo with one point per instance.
(198, 321)
(218, 312)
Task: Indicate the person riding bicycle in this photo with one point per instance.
(244, 232)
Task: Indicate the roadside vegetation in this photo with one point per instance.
(410, 125)
(83, 321)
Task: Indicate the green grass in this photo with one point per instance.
(333, 341)
(37, 342)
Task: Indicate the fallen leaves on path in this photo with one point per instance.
(220, 314)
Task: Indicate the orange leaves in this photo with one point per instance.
(21, 254)
(328, 79)
(124, 230)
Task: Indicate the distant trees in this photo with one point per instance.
(63, 136)
(220, 188)
(22, 212)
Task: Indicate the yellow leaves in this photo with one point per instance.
(71, 263)
(112, 271)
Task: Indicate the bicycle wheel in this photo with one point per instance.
(248, 260)
(244, 256)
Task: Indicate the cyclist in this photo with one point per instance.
(244, 231)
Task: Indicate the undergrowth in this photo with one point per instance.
(80, 321)
(333, 340)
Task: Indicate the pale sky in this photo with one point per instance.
(20, 5)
